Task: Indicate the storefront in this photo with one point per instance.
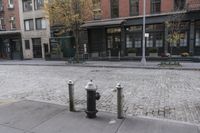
(123, 38)
(10, 46)
(197, 38)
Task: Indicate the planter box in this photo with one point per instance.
(131, 54)
(153, 54)
(95, 54)
(57, 56)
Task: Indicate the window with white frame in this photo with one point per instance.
(129, 43)
(2, 24)
(13, 22)
(40, 23)
(39, 4)
(28, 25)
(27, 5)
(183, 40)
(197, 40)
(1, 3)
(149, 40)
(10, 3)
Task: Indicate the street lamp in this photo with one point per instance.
(143, 61)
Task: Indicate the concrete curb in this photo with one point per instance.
(106, 66)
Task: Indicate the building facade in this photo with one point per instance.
(35, 29)
(118, 30)
(10, 30)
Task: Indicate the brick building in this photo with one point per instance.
(117, 31)
(10, 33)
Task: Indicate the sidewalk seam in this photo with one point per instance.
(120, 125)
(46, 120)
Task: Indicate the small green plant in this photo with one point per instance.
(132, 50)
(153, 50)
(48, 55)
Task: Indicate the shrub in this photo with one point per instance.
(153, 50)
(132, 50)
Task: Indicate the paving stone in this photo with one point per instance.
(176, 93)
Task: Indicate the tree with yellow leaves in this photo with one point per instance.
(70, 14)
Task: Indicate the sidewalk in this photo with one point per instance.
(108, 64)
(38, 117)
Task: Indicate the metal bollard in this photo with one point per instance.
(71, 95)
(119, 101)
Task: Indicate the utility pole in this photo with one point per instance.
(143, 61)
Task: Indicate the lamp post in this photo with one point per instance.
(143, 61)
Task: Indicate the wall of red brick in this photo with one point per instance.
(105, 7)
(7, 13)
(166, 6)
(141, 7)
(124, 8)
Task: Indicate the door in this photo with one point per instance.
(15, 49)
(37, 48)
(114, 44)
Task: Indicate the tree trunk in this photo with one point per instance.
(76, 35)
(171, 49)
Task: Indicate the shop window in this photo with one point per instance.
(183, 40)
(149, 40)
(27, 44)
(40, 23)
(113, 30)
(179, 4)
(27, 5)
(134, 7)
(129, 43)
(197, 40)
(114, 8)
(110, 41)
(39, 4)
(134, 28)
(155, 6)
(28, 25)
(149, 27)
(159, 39)
(138, 41)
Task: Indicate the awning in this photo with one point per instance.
(102, 23)
(10, 32)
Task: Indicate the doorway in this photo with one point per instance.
(114, 44)
(114, 41)
(37, 48)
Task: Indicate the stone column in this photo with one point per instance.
(123, 46)
(165, 40)
(192, 37)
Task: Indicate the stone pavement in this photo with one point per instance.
(170, 94)
(38, 117)
(108, 64)
(165, 94)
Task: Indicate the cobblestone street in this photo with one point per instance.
(170, 94)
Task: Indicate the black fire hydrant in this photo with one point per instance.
(92, 96)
